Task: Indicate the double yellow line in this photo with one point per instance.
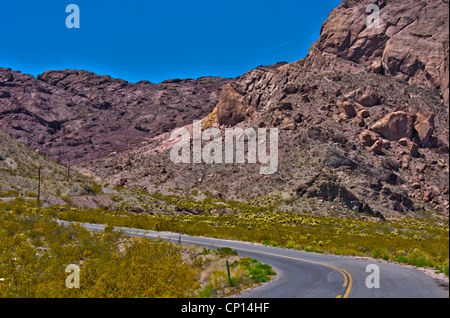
(348, 280)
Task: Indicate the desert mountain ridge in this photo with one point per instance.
(78, 115)
(363, 120)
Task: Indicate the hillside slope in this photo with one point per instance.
(19, 166)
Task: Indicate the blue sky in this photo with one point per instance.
(157, 40)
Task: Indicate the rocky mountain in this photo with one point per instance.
(382, 91)
(78, 116)
(363, 120)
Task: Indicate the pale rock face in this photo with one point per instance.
(230, 109)
(411, 43)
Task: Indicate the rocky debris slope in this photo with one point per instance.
(363, 121)
(77, 115)
(326, 156)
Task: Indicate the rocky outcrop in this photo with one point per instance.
(349, 109)
(333, 157)
(230, 109)
(402, 126)
(342, 110)
(410, 44)
(353, 89)
(332, 191)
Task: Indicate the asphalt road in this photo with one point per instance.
(309, 275)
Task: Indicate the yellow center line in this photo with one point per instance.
(348, 280)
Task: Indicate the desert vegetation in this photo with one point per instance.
(35, 251)
(412, 241)
(419, 242)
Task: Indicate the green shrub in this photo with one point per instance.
(226, 251)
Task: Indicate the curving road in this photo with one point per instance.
(308, 275)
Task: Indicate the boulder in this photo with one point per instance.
(285, 106)
(290, 90)
(424, 126)
(376, 67)
(386, 144)
(414, 150)
(404, 142)
(349, 109)
(288, 124)
(363, 113)
(359, 122)
(395, 126)
(366, 96)
(368, 138)
(377, 147)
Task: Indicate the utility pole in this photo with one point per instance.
(68, 172)
(39, 186)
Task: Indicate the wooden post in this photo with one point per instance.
(228, 271)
